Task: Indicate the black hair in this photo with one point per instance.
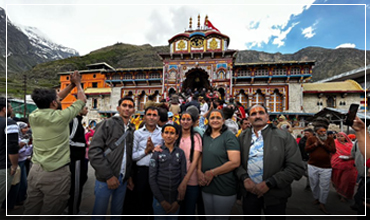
(126, 98)
(249, 109)
(177, 128)
(228, 112)
(242, 120)
(43, 97)
(192, 134)
(151, 108)
(308, 130)
(3, 103)
(209, 129)
(163, 115)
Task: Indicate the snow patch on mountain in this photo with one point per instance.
(45, 47)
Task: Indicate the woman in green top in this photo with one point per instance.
(221, 155)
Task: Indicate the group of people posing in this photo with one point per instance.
(172, 169)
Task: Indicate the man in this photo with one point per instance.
(163, 116)
(283, 122)
(151, 102)
(244, 124)
(49, 179)
(194, 102)
(307, 133)
(78, 167)
(320, 149)
(110, 154)
(8, 161)
(144, 141)
(270, 161)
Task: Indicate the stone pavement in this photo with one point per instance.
(299, 204)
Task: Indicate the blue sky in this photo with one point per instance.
(284, 26)
(327, 26)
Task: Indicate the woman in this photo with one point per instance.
(221, 155)
(25, 152)
(344, 173)
(191, 143)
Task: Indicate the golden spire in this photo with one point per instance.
(206, 20)
(190, 23)
(198, 21)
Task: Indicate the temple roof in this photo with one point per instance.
(346, 86)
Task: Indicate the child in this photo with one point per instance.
(166, 171)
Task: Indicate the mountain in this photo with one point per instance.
(27, 47)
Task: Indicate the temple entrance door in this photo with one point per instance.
(196, 78)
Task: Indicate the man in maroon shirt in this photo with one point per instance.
(320, 147)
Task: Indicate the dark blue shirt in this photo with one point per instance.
(166, 171)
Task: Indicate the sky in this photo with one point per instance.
(263, 25)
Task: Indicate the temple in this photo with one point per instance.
(198, 58)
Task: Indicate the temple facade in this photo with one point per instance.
(198, 58)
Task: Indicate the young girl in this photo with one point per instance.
(191, 143)
(166, 171)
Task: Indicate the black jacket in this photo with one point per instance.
(106, 134)
(282, 162)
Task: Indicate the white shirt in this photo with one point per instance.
(123, 165)
(140, 139)
(203, 108)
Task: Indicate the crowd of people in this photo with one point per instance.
(195, 156)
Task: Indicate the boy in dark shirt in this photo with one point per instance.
(166, 171)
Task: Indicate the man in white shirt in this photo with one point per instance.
(145, 139)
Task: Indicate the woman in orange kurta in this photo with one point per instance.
(344, 172)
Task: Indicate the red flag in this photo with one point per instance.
(210, 25)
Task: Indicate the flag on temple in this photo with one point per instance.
(210, 25)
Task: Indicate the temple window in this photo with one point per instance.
(127, 76)
(306, 70)
(244, 72)
(243, 99)
(330, 102)
(276, 102)
(295, 71)
(221, 74)
(279, 71)
(258, 98)
(261, 72)
(140, 76)
(154, 76)
(95, 85)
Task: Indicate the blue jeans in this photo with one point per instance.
(23, 183)
(102, 196)
(159, 210)
(188, 205)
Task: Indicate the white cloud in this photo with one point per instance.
(309, 32)
(281, 37)
(90, 27)
(346, 45)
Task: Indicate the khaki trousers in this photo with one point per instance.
(47, 192)
(4, 190)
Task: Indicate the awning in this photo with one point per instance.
(337, 116)
(97, 91)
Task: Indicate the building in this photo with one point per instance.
(198, 58)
